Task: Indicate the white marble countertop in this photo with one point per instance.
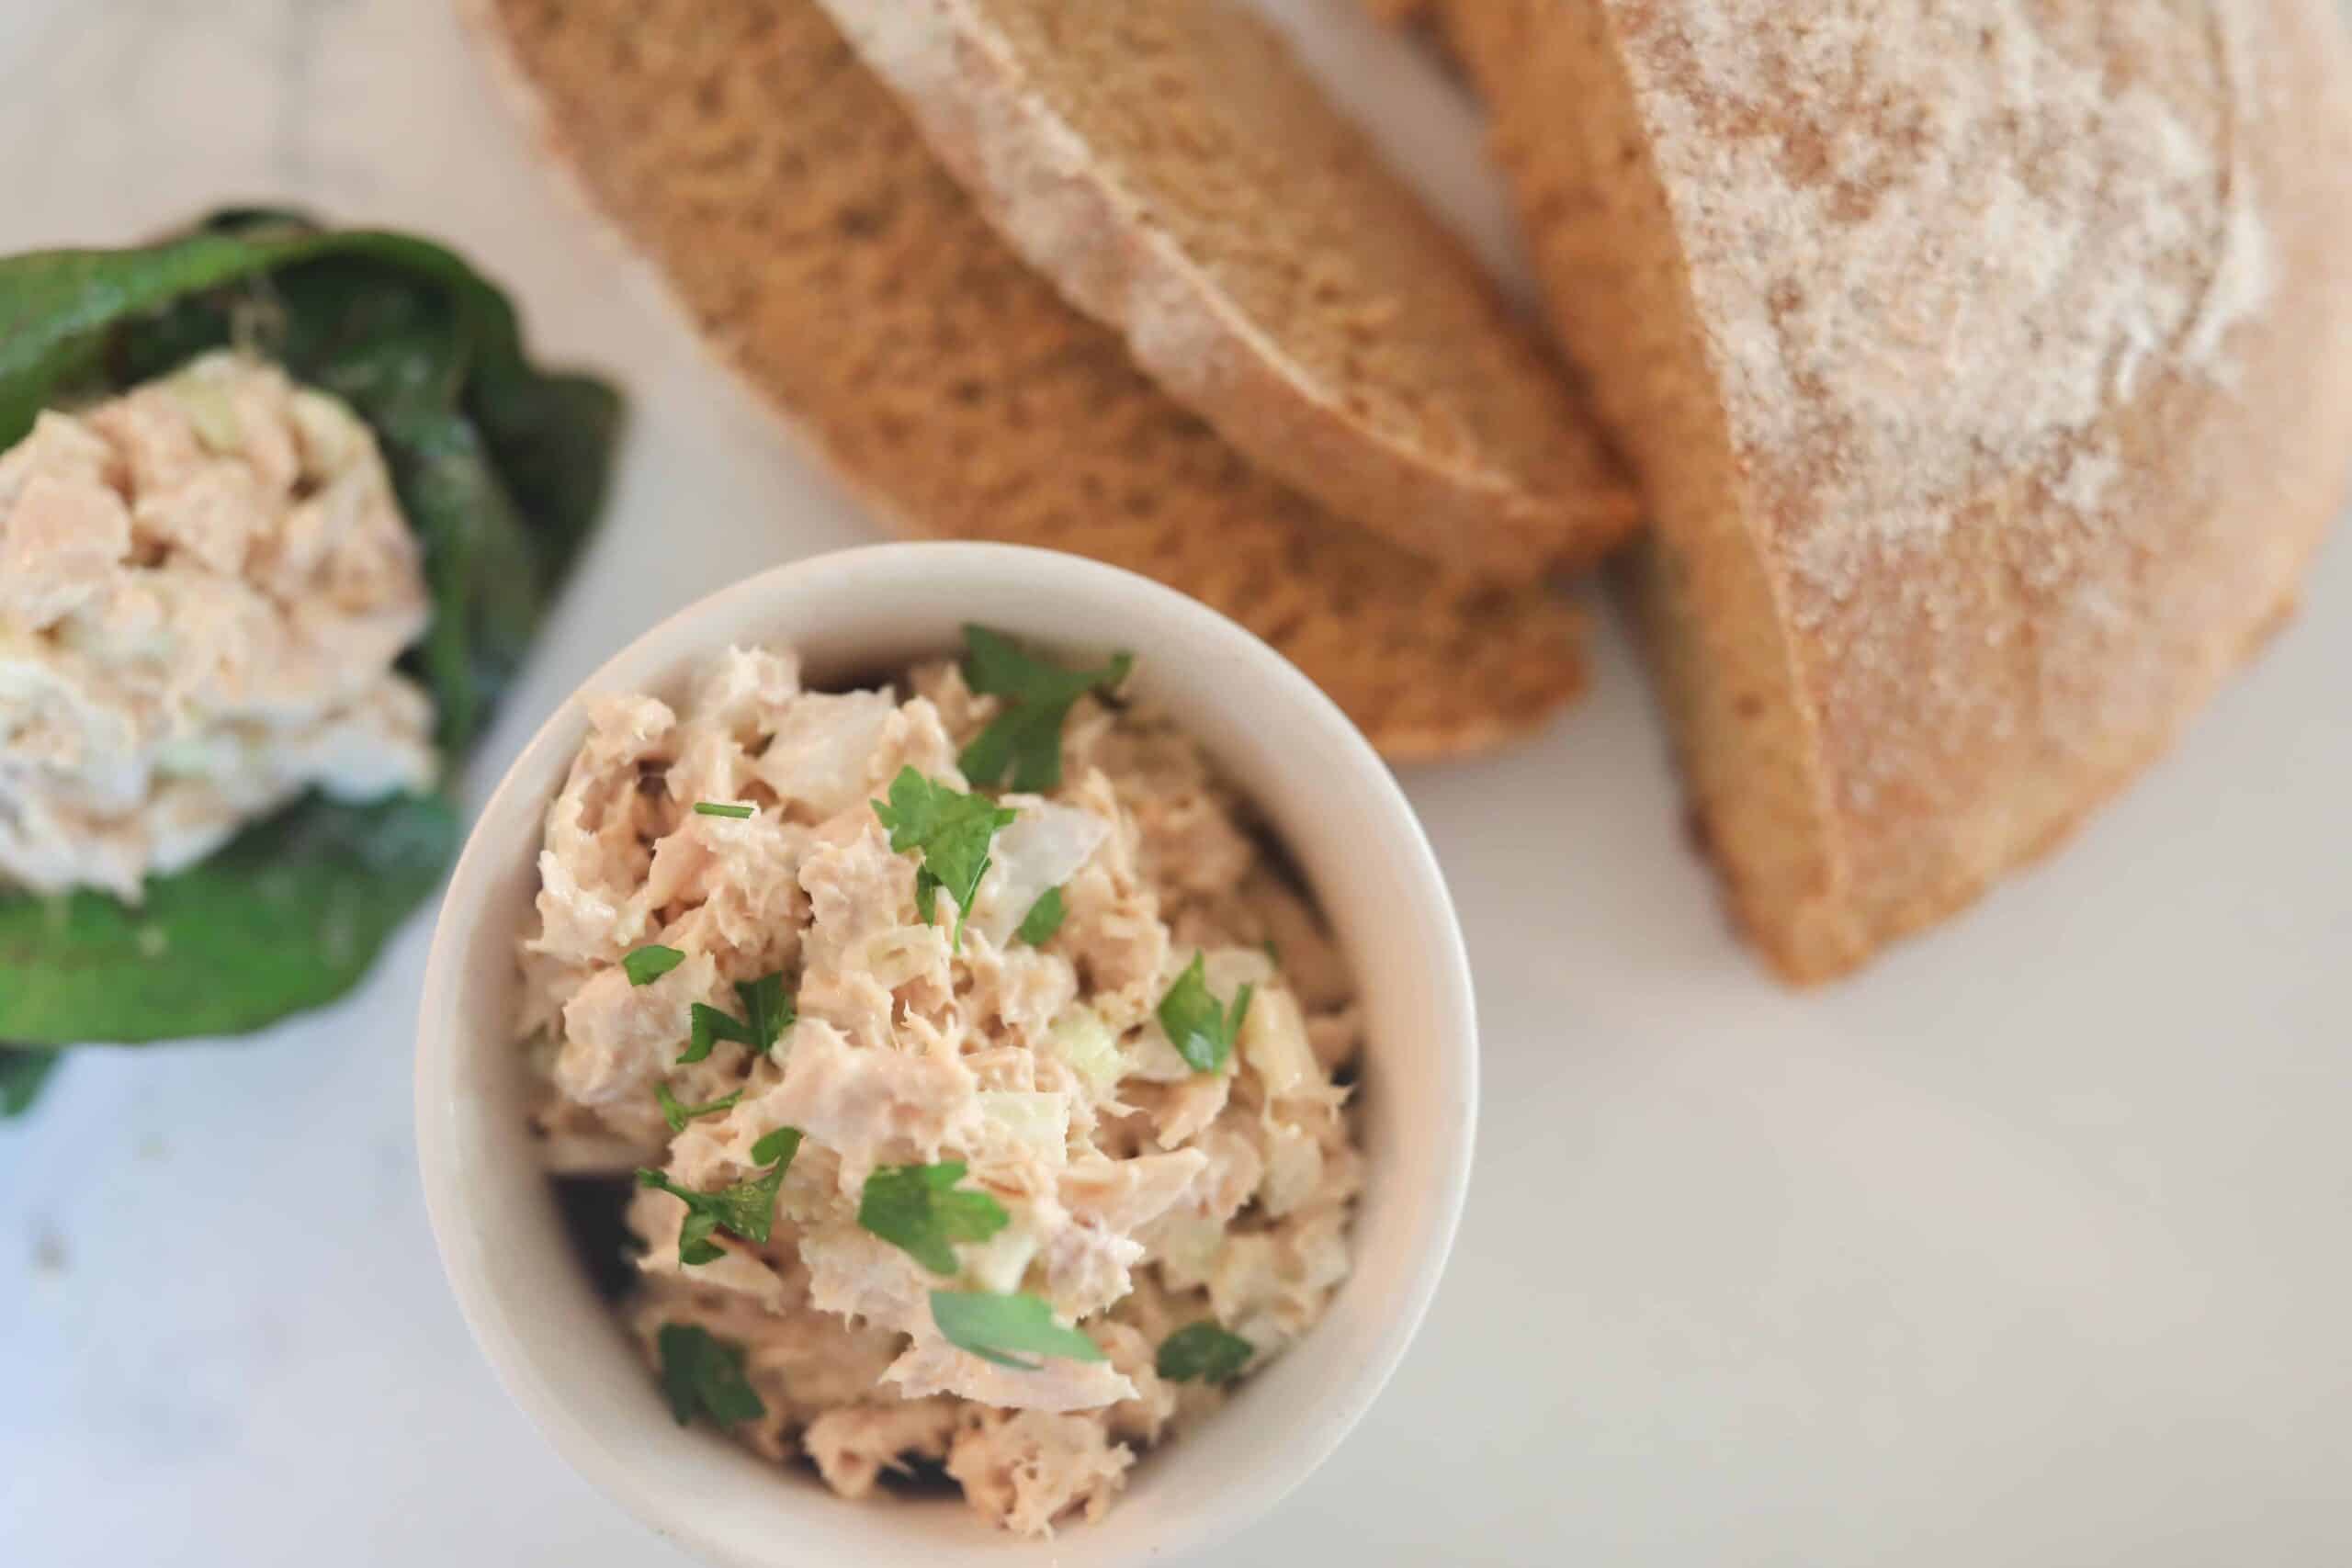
(2026, 1247)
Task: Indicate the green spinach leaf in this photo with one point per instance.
(500, 466)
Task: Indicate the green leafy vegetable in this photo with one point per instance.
(1202, 1030)
(1274, 955)
(747, 1209)
(23, 1074)
(714, 808)
(1001, 1328)
(1026, 737)
(500, 468)
(703, 1375)
(288, 915)
(678, 1115)
(770, 1010)
(916, 1209)
(952, 829)
(780, 1144)
(1044, 919)
(648, 965)
(767, 1012)
(1203, 1351)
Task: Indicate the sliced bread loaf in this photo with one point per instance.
(820, 248)
(1177, 174)
(1988, 370)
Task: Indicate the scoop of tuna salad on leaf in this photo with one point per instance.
(281, 507)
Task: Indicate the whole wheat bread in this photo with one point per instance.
(1176, 174)
(1988, 368)
(819, 248)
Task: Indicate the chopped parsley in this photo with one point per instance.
(1274, 955)
(1205, 1352)
(1044, 919)
(648, 965)
(1026, 738)
(1202, 1030)
(703, 1374)
(768, 1011)
(952, 829)
(720, 808)
(916, 1209)
(746, 1209)
(678, 1115)
(1002, 1329)
(780, 1144)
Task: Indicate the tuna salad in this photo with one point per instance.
(281, 508)
(978, 1071)
(204, 586)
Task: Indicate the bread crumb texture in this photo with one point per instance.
(825, 253)
(1176, 173)
(1988, 368)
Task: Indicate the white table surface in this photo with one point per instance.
(2028, 1246)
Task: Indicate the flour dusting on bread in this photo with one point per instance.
(1928, 197)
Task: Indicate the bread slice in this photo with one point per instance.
(1988, 368)
(1176, 173)
(824, 252)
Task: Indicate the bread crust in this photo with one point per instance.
(1880, 711)
(1431, 665)
(1065, 205)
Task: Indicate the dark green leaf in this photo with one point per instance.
(678, 1115)
(951, 830)
(22, 1075)
(1026, 737)
(1044, 919)
(747, 1209)
(703, 1375)
(767, 1012)
(1202, 1030)
(289, 915)
(648, 965)
(1203, 1351)
(916, 1209)
(714, 808)
(1001, 1328)
(768, 1009)
(780, 1144)
(706, 1026)
(498, 467)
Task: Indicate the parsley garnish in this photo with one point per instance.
(1204, 1351)
(1274, 955)
(916, 1209)
(766, 1007)
(702, 1374)
(780, 1144)
(992, 1327)
(678, 1115)
(1201, 1031)
(952, 829)
(1044, 919)
(648, 965)
(747, 1209)
(716, 808)
(1027, 735)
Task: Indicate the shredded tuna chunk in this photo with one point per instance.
(204, 586)
(1025, 1469)
(1138, 1194)
(854, 1444)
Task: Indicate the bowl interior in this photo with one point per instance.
(1329, 798)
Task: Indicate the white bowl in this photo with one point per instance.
(558, 1349)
